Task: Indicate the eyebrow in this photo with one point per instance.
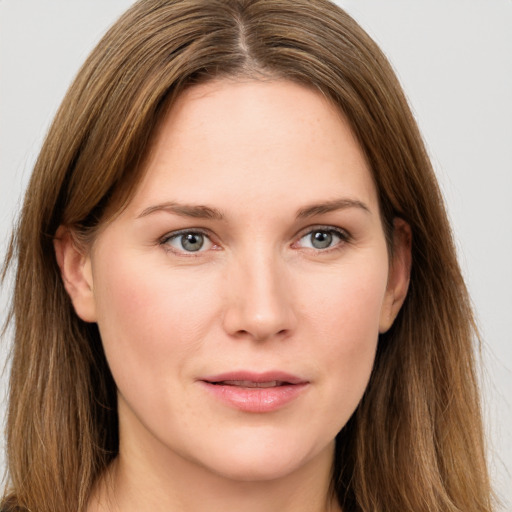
(330, 206)
(207, 212)
(184, 210)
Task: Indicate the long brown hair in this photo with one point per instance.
(415, 442)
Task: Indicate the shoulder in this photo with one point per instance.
(10, 504)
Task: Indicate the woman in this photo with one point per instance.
(236, 286)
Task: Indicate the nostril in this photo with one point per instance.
(258, 306)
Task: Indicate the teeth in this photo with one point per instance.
(252, 384)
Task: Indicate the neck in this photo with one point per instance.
(150, 475)
(134, 484)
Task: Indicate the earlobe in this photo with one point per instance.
(76, 272)
(399, 274)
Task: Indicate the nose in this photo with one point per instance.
(259, 303)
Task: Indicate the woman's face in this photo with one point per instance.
(240, 294)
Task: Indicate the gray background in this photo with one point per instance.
(454, 58)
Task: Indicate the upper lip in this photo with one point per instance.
(278, 377)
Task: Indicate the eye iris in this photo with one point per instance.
(192, 241)
(321, 239)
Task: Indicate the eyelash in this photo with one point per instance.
(164, 241)
(343, 235)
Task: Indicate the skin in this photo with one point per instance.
(258, 296)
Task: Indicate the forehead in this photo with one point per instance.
(259, 139)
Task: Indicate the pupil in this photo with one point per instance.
(192, 241)
(321, 239)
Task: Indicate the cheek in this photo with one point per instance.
(151, 318)
(346, 308)
(344, 321)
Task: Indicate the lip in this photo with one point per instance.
(255, 392)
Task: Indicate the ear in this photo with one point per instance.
(76, 273)
(399, 274)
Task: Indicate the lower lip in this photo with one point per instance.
(257, 400)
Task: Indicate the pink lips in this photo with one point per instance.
(255, 392)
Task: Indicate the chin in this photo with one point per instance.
(259, 462)
(258, 470)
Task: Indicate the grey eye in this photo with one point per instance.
(189, 241)
(192, 241)
(322, 239)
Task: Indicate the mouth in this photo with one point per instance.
(252, 384)
(255, 392)
(248, 379)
